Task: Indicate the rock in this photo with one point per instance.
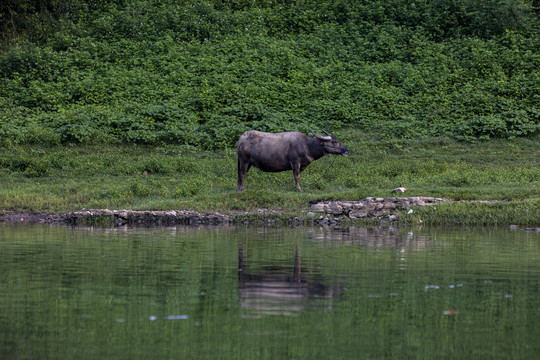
(418, 201)
(335, 208)
(399, 190)
(358, 205)
(514, 227)
(323, 221)
(347, 206)
(378, 205)
(358, 214)
(310, 215)
(372, 207)
(390, 204)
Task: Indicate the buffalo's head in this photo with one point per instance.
(331, 144)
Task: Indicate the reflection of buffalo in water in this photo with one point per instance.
(277, 290)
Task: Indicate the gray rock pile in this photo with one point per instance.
(374, 207)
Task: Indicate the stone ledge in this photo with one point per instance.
(324, 213)
(133, 217)
(374, 207)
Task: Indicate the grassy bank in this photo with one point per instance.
(61, 179)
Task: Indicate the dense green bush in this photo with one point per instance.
(200, 73)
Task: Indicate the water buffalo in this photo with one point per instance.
(283, 151)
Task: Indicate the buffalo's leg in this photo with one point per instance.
(243, 168)
(296, 171)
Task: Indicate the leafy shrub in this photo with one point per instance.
(198, 74)
(155, 165)
(509, 124)
(191, 186)
(36, 169)
(139, 189)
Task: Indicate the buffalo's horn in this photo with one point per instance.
(325, 138)
(324, 131)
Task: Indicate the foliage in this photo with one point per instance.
(200, 73)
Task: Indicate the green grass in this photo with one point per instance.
(61, 179)
(526, 212)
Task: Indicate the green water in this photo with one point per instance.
(268, 293)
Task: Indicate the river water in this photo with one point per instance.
(268, 293)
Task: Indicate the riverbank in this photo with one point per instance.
(487, 183)
(397, 210)
(324, 212)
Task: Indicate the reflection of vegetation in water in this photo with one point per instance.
(171, 293)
